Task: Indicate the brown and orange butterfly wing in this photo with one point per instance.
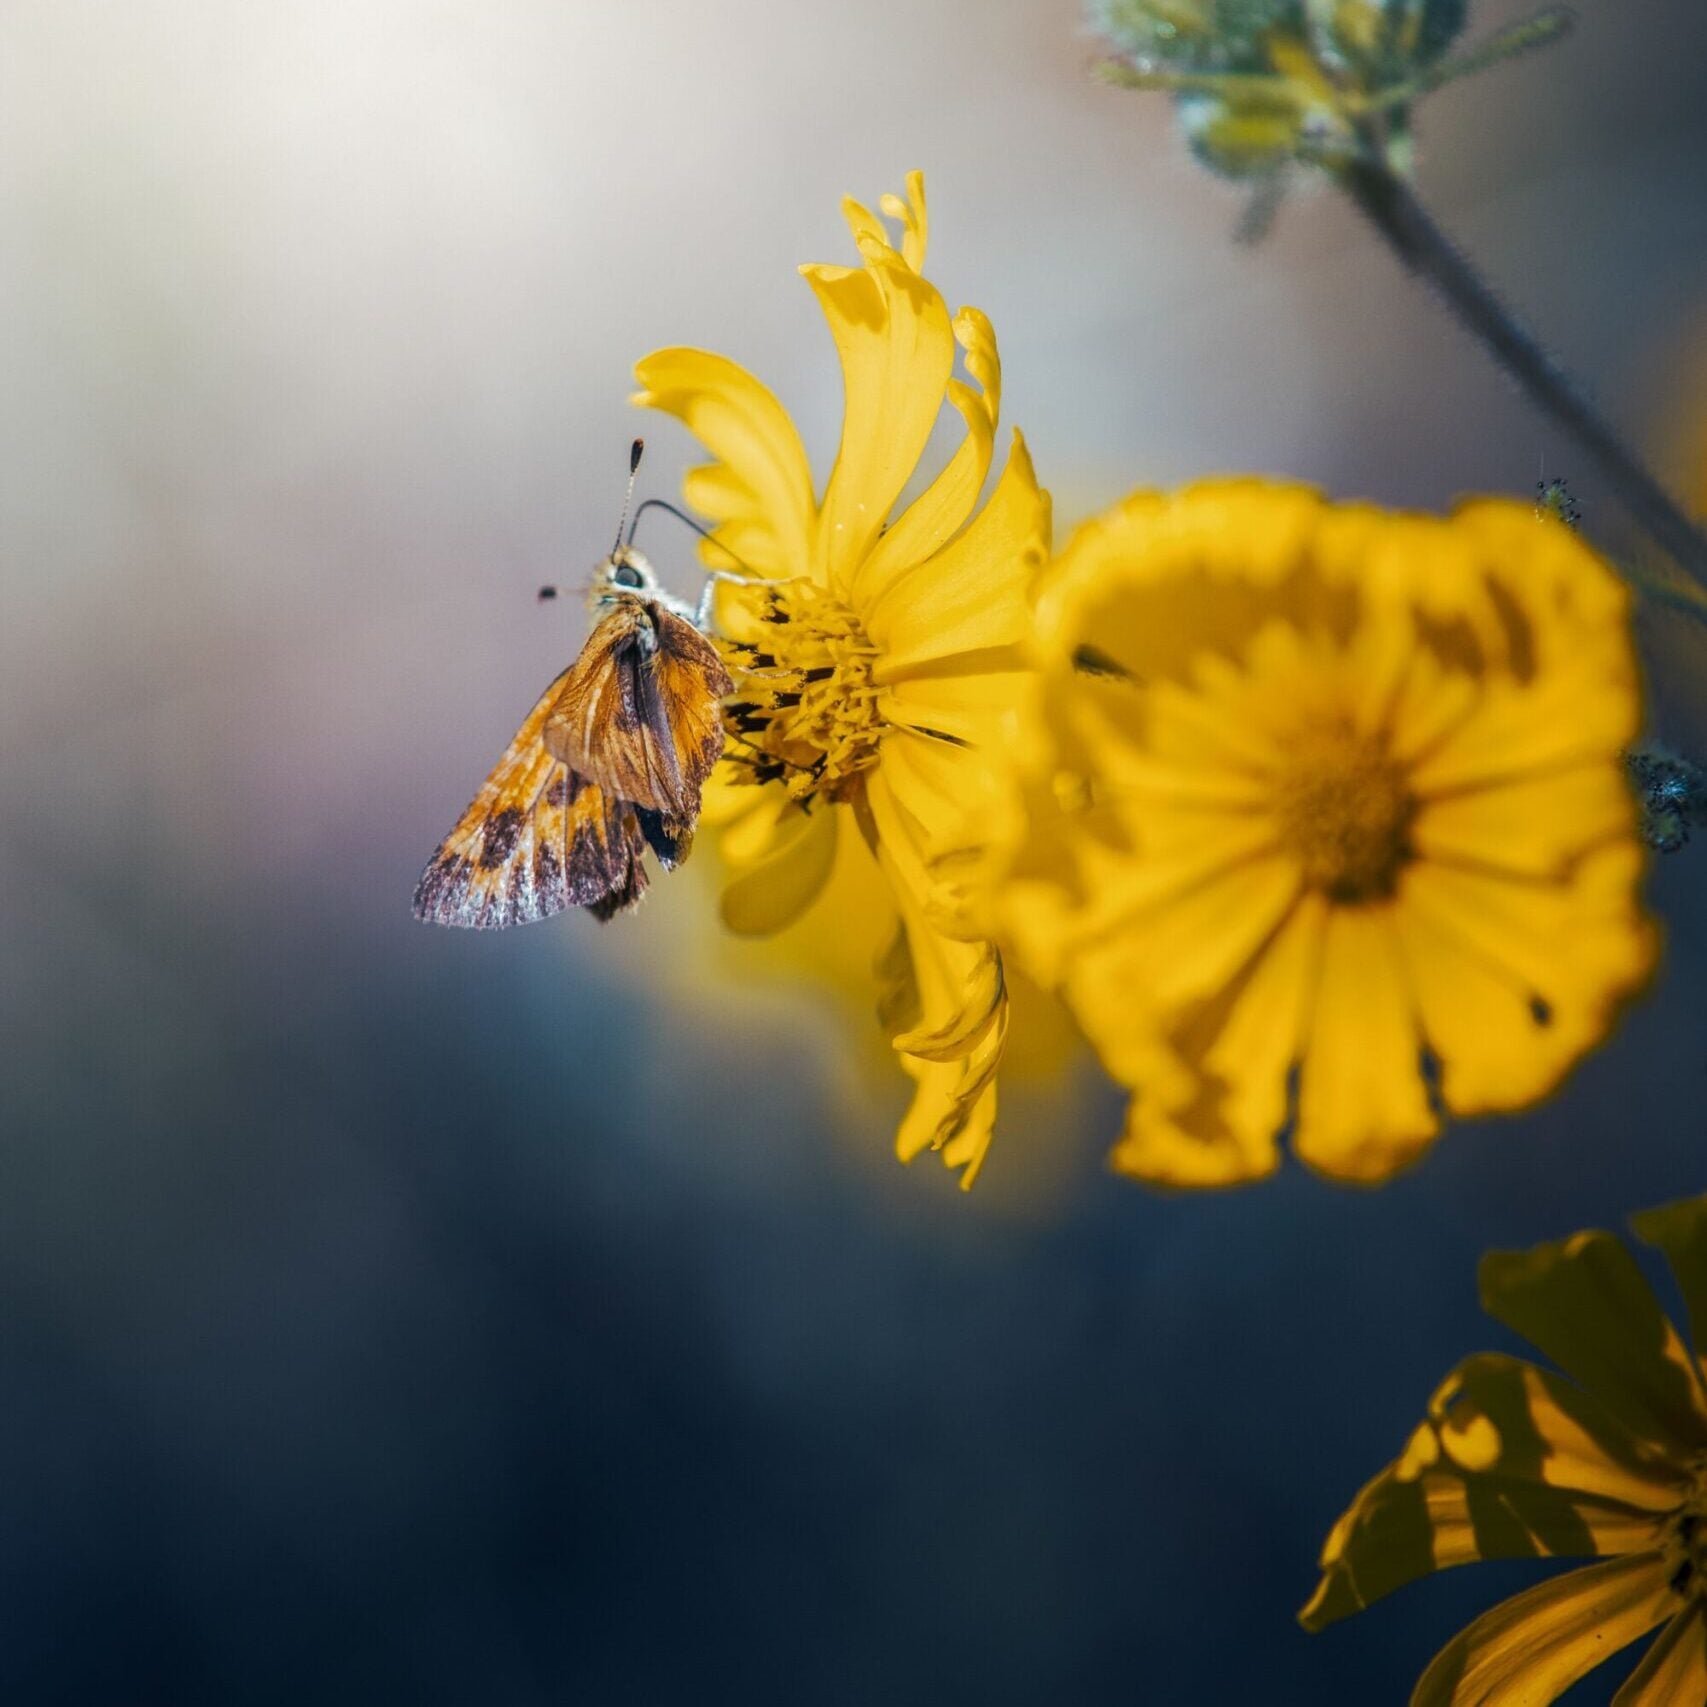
(692, 682)
(606, 866)
(594, 726)
(534, 840)
(638, 712)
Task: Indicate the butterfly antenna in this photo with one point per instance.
(687, 521)
(635, 452)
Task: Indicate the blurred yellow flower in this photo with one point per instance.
(1515, 1462)
(807, 989)
(877, 664)
(1321, 826)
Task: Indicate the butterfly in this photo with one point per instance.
(609, 764)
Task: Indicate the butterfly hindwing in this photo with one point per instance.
(606, 867)
(669, 838)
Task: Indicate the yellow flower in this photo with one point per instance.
(1515, 1462)
(877, 665)
(1324, 829)
(807, 989)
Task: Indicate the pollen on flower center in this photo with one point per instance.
(805, 711)
(1345, 809)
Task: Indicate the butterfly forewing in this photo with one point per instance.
(638, 712)
(692, 682)
(534, 840)
(502, 864)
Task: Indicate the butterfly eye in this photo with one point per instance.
(626, 575)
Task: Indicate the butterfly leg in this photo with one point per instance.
(702, 612)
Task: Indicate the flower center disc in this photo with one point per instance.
(806, 707)
(1686, 1540)
(1345, 810)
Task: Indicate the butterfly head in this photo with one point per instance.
(624, 572)
(624, 576)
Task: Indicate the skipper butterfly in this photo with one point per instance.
(609, 763)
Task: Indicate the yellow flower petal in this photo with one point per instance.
(1262, 1037)
(1547, 1433)
(1432, 702)
(1535, 827)
(949, 1049)
(1168, 576)
(1674, 1669)
(1204, 934)
(1246, 531)
(727, 796)
(1513, 1463)
(755, 821)
(1529, 1650)
(762, 495)
(940, 795)
(1195, 730)
(912, 825)
(915, 225)
(1372, 676)
(775, 881)
(1213, 1096)
(1505, 1011)
(959, 987)
(1190, 1150)
(963, 994)
(1363, 1108)
(1585, 708)
(937, 784)
(937, 514)
(973, 710)
(1680, 1230)
(954, 1108)
(897, 352)
(1585, 1304)
(973, 595)
(1547, 570)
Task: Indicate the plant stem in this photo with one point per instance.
(1394, 210)
(1681, 596)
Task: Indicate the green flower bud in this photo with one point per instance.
(1250, 138)
(1195, 35)
(1262, 85)
(1383, 41)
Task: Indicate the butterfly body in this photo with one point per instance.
(608, 764)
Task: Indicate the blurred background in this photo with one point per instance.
(408, 1315)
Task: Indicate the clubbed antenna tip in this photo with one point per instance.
(635, 451)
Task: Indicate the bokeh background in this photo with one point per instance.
(400, 1315)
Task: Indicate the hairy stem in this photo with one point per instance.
(1392, 207)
